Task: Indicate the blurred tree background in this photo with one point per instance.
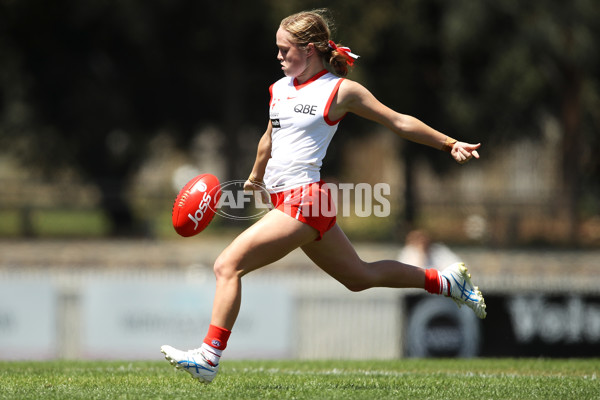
(90, 88)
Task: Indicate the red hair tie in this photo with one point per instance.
(345, 52)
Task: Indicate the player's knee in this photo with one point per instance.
(360, 281)
(224, 267)
(356, 286)
(357, 283)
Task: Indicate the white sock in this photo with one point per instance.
(444, 285)
(211, 354)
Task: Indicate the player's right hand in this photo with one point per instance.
(260, 191)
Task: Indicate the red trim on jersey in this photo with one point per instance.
(271, 93)
(331, 97)
(299, 86)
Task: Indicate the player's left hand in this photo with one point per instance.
(462, 152)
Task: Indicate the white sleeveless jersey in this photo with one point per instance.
(302, 130)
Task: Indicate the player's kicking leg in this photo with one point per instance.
(336, 256)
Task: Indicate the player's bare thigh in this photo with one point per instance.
(266, 241)
(335, 255)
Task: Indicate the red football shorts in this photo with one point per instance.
(311, 204)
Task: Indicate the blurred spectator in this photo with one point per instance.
(421, 251)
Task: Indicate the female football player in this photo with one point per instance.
(305, 109)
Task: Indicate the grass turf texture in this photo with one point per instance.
(401, 379)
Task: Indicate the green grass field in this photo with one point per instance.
(401, 379)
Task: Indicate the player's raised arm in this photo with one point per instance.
(355, 98)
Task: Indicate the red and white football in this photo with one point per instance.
(196, 205)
